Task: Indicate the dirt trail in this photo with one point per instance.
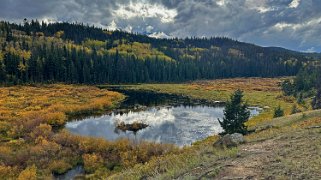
(245, 166)
(287, 156)
(249, 161)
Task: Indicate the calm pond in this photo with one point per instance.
(171, 119)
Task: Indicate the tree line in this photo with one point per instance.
(37, 52)
(306, 84)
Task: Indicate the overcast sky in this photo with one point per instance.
(293, 24)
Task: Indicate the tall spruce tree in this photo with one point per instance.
(236, 113)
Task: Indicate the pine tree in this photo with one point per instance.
(236, 113)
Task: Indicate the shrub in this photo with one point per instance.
(316, 102)
(295, 109)
(7, 172)
(278, 112)
(43, 130)
(288, 87)
(29, 173)
(92, 162)
(59, 166)
(300, 99)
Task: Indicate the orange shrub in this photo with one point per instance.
(59, 166)
(30, 173)
(7, 172)
(92, 162)
(43, 130)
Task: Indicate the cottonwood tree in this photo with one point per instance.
(236, 113)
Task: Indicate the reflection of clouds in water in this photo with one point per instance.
(153, 117)
(180, 125)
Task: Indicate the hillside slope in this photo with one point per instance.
(76, 53)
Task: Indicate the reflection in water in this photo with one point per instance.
(71, 174)
(180, 125)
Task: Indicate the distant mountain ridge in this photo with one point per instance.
(77, 53)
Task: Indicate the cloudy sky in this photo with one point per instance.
(293, 24)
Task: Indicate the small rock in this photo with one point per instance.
(230, 140)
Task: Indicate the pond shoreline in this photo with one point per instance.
(156, 101)
(154, 109)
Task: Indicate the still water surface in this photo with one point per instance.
(171, 119)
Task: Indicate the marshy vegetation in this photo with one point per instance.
(31, 144)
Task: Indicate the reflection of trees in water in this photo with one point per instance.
(148, 98)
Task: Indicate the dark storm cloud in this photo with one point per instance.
(294, 24)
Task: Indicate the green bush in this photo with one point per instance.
(278, 112)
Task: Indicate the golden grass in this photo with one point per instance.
(53, 100)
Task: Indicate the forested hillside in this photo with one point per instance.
(76, 53)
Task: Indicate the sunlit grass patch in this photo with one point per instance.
(23, 101)
(174, 165)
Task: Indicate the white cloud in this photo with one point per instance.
(264, 9)
(294, 4)
(159, 35)
(48, 20)
(282, 26)
(311, 50)
(112, 26)
(261, 6)
(221, 2)
(296, 26)
(145, 10)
